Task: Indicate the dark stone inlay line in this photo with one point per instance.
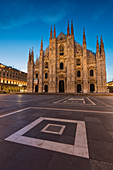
(67, 137)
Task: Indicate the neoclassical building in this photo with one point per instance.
(66, 66)
(12, 79)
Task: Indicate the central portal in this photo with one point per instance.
(61, 86)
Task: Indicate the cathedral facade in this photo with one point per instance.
(66, 66)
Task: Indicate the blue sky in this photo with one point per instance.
(24, 22)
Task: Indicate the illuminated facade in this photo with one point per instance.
(12, 80)
(68, 67)
(110, 86)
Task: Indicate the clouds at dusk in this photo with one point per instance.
(19, 12)
(102, 9)
(24, 22)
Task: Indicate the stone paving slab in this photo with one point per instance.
(99, 165)
(99, 133)
(96, 131)
(101, 151)
(68, 162)
(29, 158)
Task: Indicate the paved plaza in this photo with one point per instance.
(56, 132)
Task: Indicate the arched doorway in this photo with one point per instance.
(46, 88)
(61, 86)
(36, 88)
(92, 88)
(78, 88)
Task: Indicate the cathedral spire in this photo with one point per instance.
(54, 32)
(51, 33)
(101, 45)
(72, 33)
(97, 46)
(41, 44)
(68, 28)
(29, 54)
(32, 54)
(84, 37)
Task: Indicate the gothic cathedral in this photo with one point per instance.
(67, 67)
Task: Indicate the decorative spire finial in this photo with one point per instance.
(54, 32)
(29, 54)
(84, 36)
(32, 50)
(68, 28)
(101, 45)
(97, 46)
(72, 33)
(51, 33)
(32, 54)
(41, 44)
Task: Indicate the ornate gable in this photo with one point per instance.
(61, 36)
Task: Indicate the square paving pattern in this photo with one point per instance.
(29, 136)
(53, 128)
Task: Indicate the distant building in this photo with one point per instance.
(12, 80)
(110, 86)
(66, 66)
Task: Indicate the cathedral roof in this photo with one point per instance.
(61, 36)
(46, 50)
(89, 51)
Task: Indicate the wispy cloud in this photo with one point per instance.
(19, 12)
(102, 9)
(98, 13)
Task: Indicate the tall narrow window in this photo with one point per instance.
(78, 62)
(78, 74)
(46, 64)
(61, 66)
(91, 73)
(46, 75)
(78, 88)
(36, 75)
(61, 50)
